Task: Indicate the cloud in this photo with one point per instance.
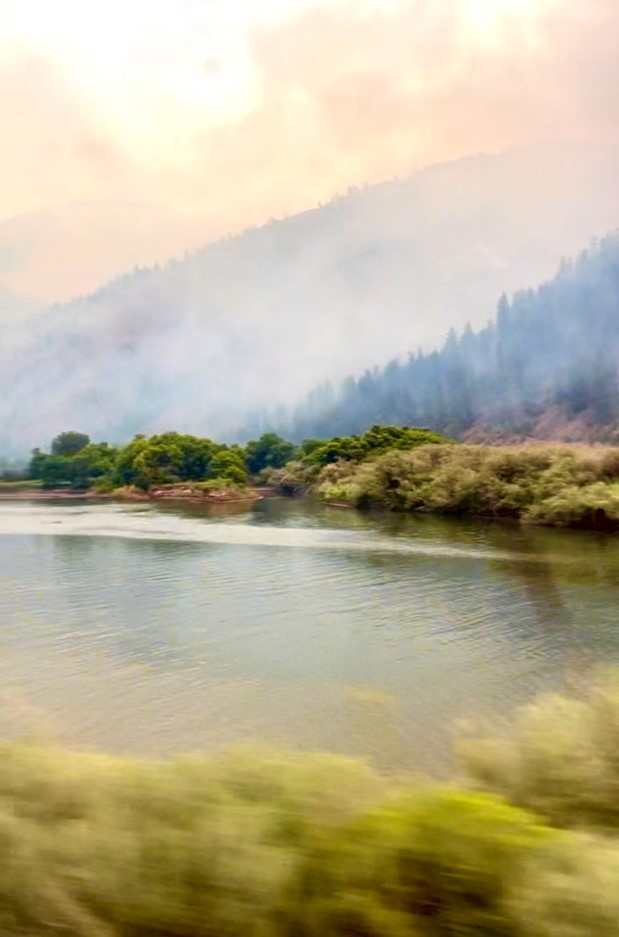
(54, 148)
(350, 96)
(341, 94)
(338, 95)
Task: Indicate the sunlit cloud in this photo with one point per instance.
(240, 111)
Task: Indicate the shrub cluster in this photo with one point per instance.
(259, 844)
(548, 484)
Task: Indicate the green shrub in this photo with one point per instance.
(542, 484)
(377, 440)
(262, 844)
(295, 476)
(593, 505)
(437, 862)
(560, 759)
(104, 486)
(573, 891)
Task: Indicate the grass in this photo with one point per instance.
(20, 484)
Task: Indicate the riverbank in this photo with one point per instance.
(194, 493)
(392, 468)
(39, 494)
(224, 495)
(9, 489)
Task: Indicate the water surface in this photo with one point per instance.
(152, 629)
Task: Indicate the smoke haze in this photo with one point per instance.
(239, 119)
(255, 321)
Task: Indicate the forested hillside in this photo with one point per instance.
(547, 365)
(257, 320)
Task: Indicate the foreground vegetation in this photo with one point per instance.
(575, 486)
(277, 845)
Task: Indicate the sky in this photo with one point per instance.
(179, 100)
(237, 111)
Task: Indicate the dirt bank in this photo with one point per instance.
(168, 493)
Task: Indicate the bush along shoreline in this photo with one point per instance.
(178, 466)
(387, 467)
(550, 484)
(254, 843)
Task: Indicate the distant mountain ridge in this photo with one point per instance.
(256, 320)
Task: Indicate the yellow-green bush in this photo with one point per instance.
(547, 484)
(261, 844)
(572, 891)
(92, 845)
(437, 862)
(560, 759)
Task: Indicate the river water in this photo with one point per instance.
(155, 629)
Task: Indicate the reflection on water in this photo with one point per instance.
(154, 629)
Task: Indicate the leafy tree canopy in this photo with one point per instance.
(70, 443)
(270, 451)
(376, 440)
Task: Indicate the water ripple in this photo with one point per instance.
(149, 630)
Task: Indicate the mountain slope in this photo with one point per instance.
(548, 366)
(258, 319)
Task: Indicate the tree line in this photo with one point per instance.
(75, 462)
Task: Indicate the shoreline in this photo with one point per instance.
(182, 495)
(57, 494)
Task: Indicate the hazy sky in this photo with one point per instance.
(246, 109)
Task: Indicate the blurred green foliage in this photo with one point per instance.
(263, 844)
(560, 759)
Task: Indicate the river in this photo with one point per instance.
(155, 629)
